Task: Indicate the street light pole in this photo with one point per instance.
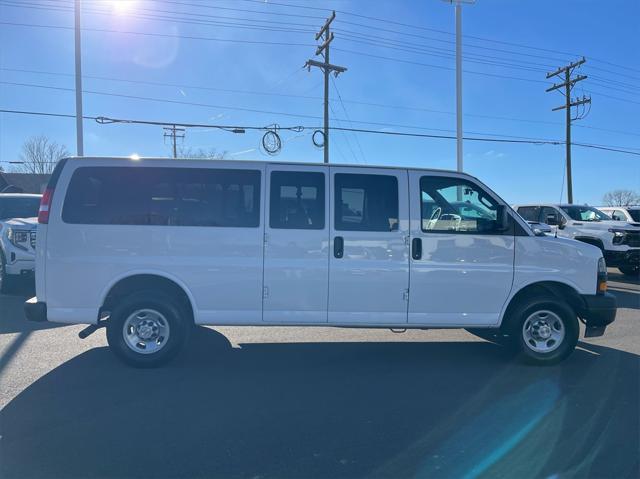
(459, 86)
(79, 135)
(459, 134)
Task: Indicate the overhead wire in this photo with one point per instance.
(108, 120)
(307, 97)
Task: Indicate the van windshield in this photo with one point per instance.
(585, 213)
(16, 207)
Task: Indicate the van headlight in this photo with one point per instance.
(602, 276)
(18, 238)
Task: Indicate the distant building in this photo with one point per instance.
(22, 182)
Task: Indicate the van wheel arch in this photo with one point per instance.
(147, 282)
(551, 289)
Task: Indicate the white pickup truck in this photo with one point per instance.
(18, 223)
(618, 240)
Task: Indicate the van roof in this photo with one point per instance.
(278, 162)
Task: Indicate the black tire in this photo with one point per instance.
(630, 270)
(5, 279)
(549, 310)
(159, 308)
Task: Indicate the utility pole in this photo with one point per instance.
(568, 85)
(174, 133)
(459, 87)
(78, 50)
(327, 68)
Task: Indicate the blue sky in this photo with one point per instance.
(407, 96)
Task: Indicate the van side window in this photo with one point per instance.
(366, 202)
(455, 205)
(163, 197)
(529, 213)
(297, 200)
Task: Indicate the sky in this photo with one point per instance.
(240, 62)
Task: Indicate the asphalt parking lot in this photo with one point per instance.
(318, 403)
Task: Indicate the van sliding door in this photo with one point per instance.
(369, 253)
(296, 250)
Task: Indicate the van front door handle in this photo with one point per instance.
(338, 247)
(416, 248)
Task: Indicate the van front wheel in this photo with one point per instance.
(147, 330)
(544, 330)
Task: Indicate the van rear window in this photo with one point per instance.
(163, 197)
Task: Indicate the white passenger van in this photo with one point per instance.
(150, 247)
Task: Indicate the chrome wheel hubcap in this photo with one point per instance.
(146, 331)
(543, 331)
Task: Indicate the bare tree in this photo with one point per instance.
(40, 155)
(200, 153)
(621, 198)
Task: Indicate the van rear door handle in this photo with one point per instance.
(416, 248)
(338, 247)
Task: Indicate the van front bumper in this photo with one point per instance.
(599, 310)
(35, 310)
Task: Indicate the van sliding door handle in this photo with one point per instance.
(338, 246)
(416, 248)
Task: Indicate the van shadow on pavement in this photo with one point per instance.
(322, 410)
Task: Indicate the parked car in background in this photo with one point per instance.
(630, 214)
(619, 241)
(149, 247)
(18, 223)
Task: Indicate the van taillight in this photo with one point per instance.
(45, 206)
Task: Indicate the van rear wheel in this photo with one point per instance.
(147, 329)
(544, 330)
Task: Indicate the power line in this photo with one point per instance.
(287, 30)
(346, 114)
(108, 120)
(428, 65)
(164, 35)
(420, 27)
(307, 97)
(292, 28)
(240, 10)
(234, 108)
(287, 44)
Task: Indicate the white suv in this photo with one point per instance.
(619, 241)
(150, 247)
(17, 236)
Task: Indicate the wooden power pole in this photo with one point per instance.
(568, 85)
(327, 68)
(174, 133)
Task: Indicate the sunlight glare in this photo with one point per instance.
(122, 7)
